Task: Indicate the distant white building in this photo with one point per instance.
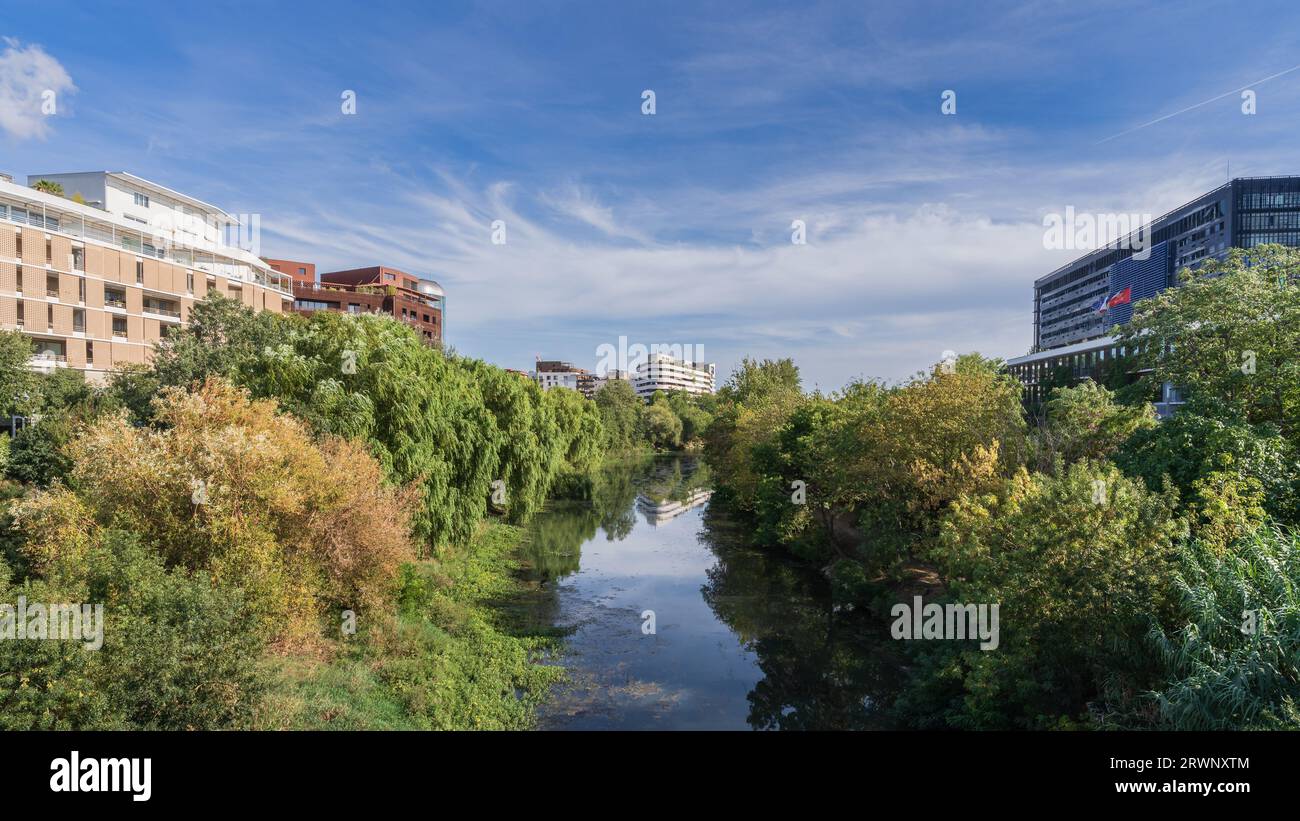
(664, 373)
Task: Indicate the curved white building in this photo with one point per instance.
(661, 372)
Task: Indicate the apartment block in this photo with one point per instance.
(96, 284)
(418, 302)
(661, 372)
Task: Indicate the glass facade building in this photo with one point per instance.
(1069, 332)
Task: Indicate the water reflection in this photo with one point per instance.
(743, 637)
(658, 511)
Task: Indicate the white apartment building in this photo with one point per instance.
(97, 284)
(661, 372)
(568, 379)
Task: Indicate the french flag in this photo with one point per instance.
(1100, 305)
(1124, 297)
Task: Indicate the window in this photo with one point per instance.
(139, 272)
(19, 238)
(90, 353)
(49, 251)
(21, 321)
(189, 281)
(79, 259)
(49, 317)
(48, 349)
(115, 297)
(141, 199)
(302, 272)
(52, 285)
(78, 320)
(81, 289)
(119, 326)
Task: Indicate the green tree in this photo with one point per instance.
(620, 415)
(695, 419)
(18, 383)
(1188, 448)
(37, 453)
(1085, 422)
(1228, 337)
(663, 430)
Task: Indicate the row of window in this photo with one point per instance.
(1289, 219)
(1283, 199)
(1250, 240)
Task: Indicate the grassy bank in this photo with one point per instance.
(455, 655)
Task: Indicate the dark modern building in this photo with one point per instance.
(418, 302)
(1069, 330)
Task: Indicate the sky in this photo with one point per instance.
(924, 229)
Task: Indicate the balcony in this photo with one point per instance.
(142, 242)
(46, 361)
(114, 302)
(162, 311)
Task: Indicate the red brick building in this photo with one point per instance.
(408, 298)
(297, 271)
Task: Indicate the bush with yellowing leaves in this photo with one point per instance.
(232, 487)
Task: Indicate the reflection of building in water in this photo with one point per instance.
(656, 513)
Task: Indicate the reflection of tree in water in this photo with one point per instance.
(823, 668)
(554, 547)
(674, 478)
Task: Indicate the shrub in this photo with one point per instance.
(1077, 577)
(37, 454)
(238, 491)
(177, 653)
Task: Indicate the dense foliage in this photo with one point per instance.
(1121, 551)
(282, 514)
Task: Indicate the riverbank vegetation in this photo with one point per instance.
(1145, 570)
(668, 422)
(291, 522)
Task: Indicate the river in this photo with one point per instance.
(675, 621)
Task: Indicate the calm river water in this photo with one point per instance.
(742, 638)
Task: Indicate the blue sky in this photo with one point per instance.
(925, 231)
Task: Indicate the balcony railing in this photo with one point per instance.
(137, 243)
(115, 303)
